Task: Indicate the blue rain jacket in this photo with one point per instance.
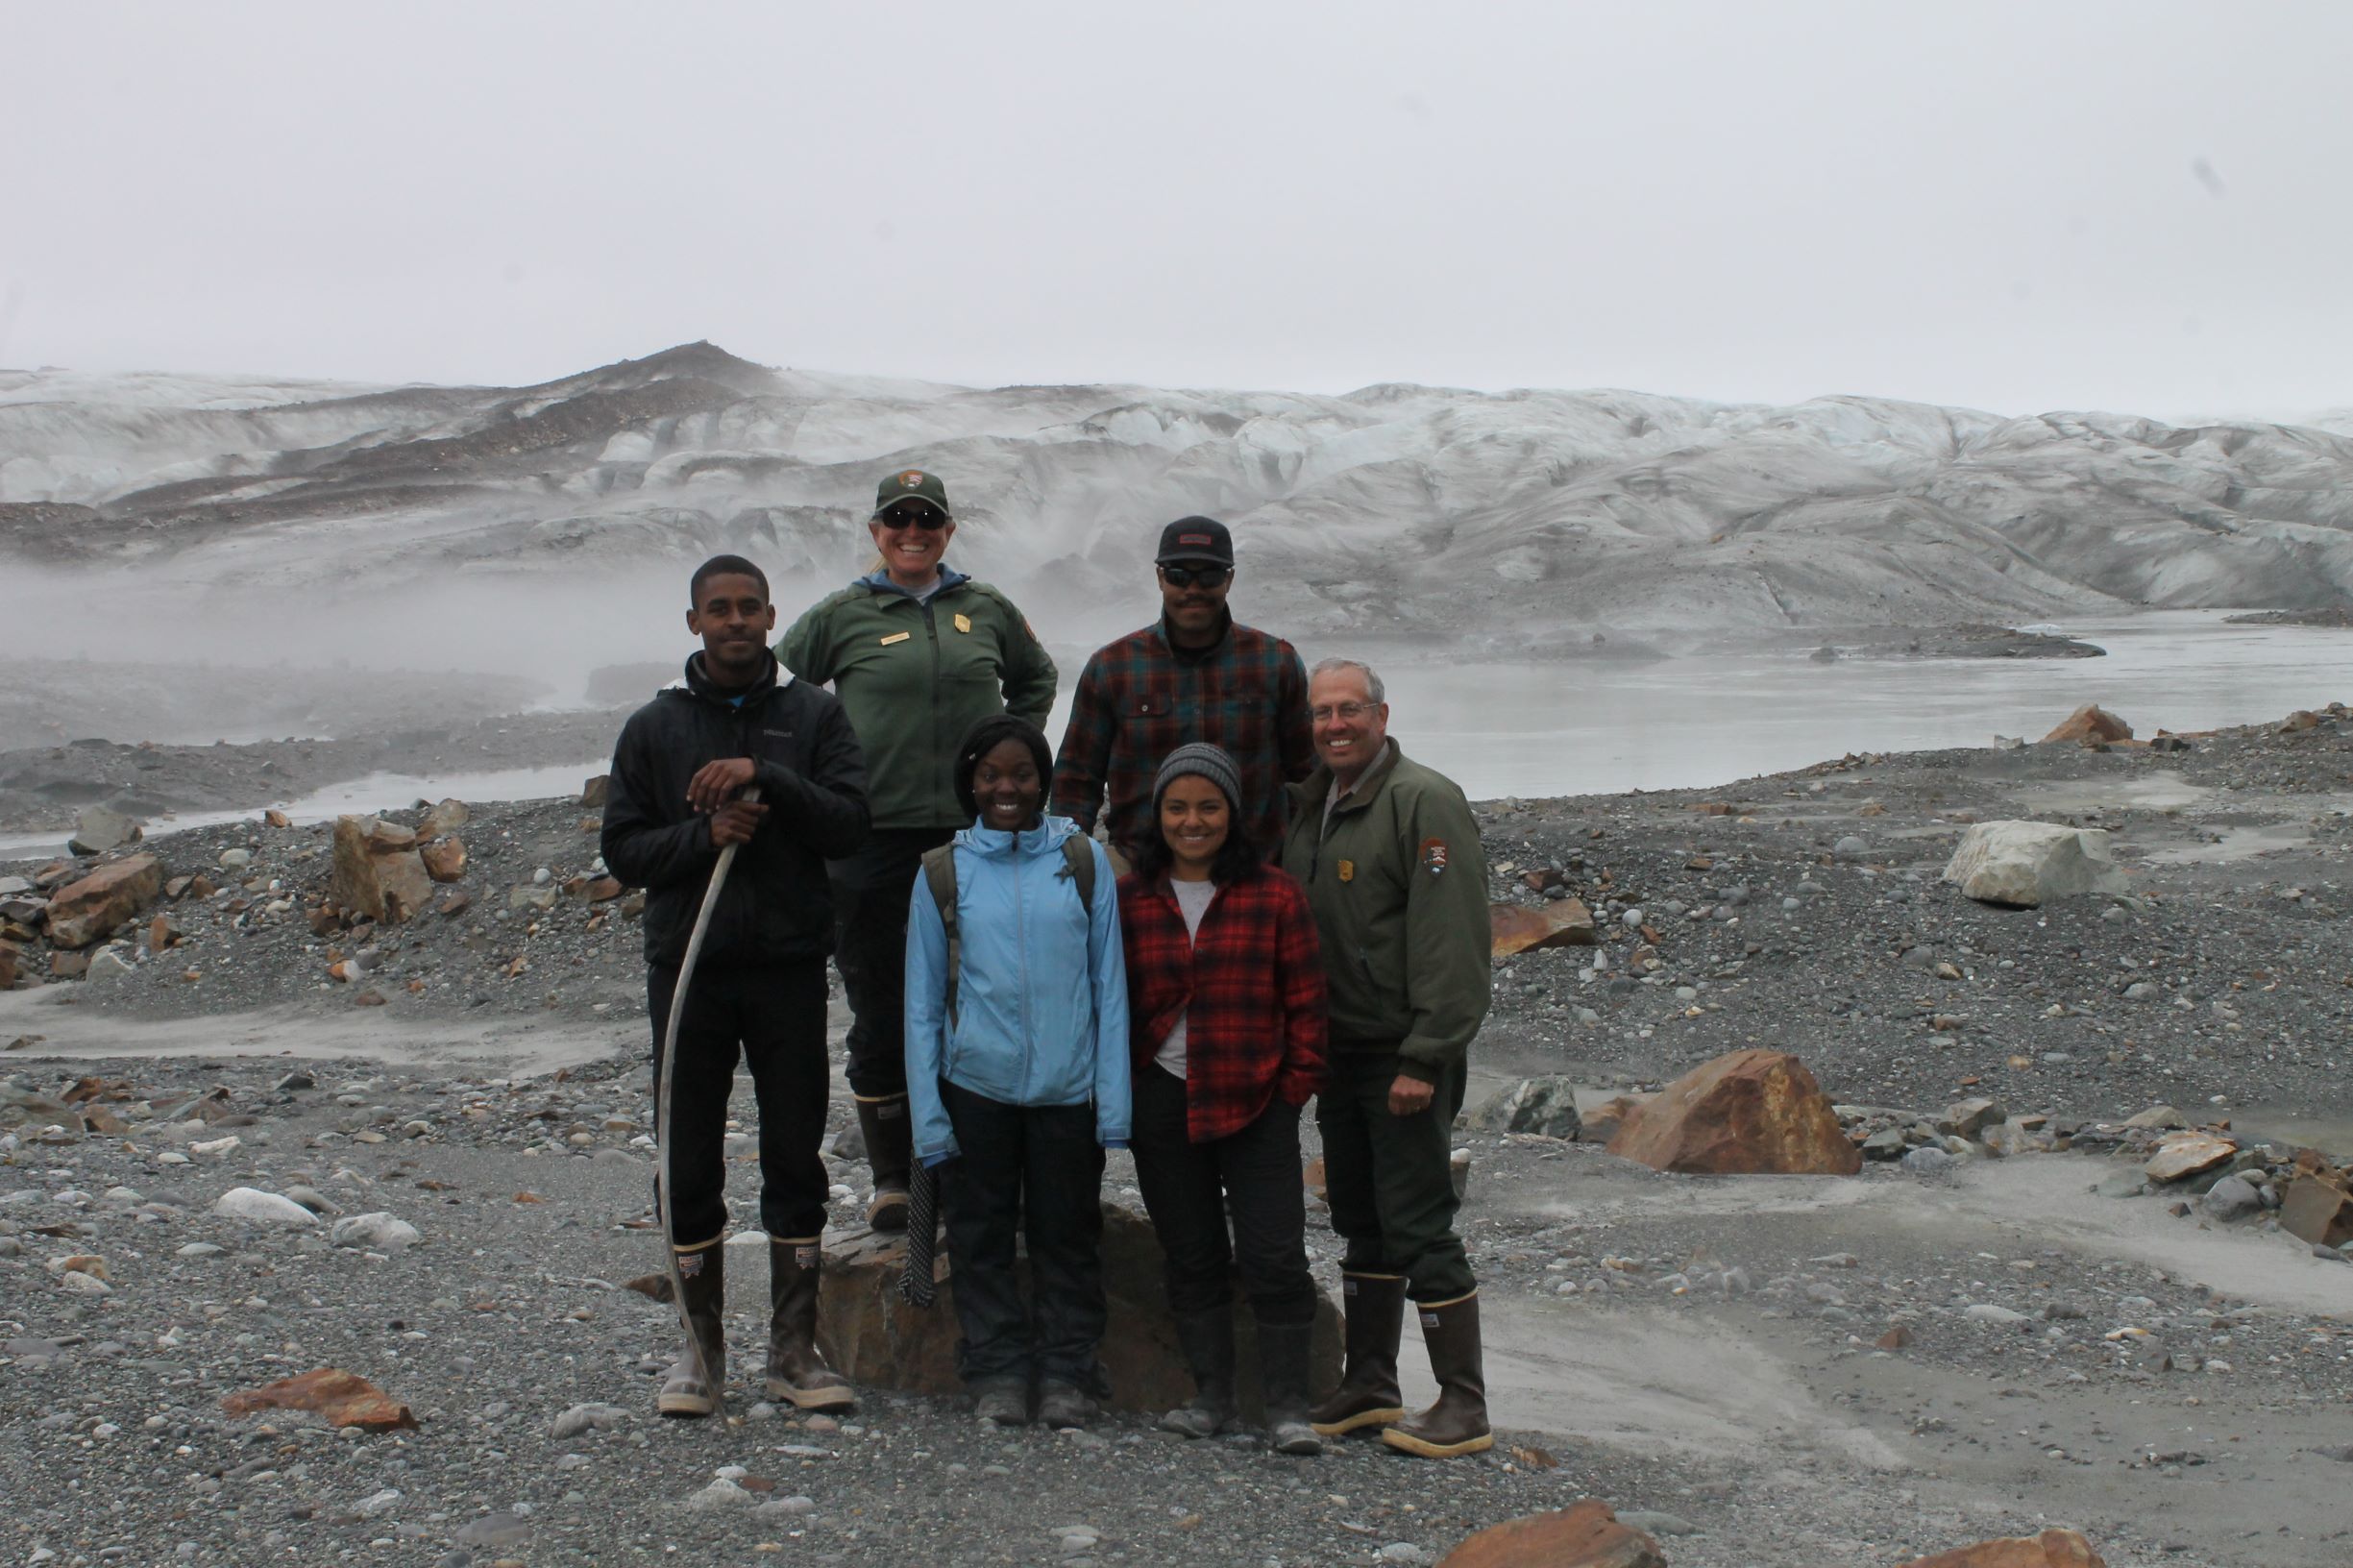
(1042, 992)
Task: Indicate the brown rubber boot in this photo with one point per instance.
(1457, 1423)
(1368, 1395)
(890, 1151)
(693, 1383)
(796, 1369)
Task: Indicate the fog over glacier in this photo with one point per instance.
(547, 529)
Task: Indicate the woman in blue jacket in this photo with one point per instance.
(1017, 1077)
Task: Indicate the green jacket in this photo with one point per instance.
(1399, 886)
(914, 674)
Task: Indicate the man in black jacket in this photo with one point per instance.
(676, 799)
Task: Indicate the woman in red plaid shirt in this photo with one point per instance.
(1226, 1023)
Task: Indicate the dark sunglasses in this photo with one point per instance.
(926, 518)
(1187, 577)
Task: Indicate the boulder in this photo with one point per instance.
(1602, 1112)
(2233, 1197)
(2186, 1154)
(1748, 1113)
(377, 1231)
(2018, 864)
(1967, 1118)
(1516, 928)
(8, 967)
(444, 859)
(101, 828)
(83, 911)
(593, 791)
(443, 819)
(2318, 1212)
(1534, 1105)
(1585, 1534)
(257, 1207)
(346, 1399)
(2090, 723)
(876, 1339)
(379, 873)
(2053, 1549)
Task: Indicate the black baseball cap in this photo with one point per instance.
(1195, 539)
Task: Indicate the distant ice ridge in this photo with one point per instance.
(1522, 516)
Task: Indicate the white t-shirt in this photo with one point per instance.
(1193, 902)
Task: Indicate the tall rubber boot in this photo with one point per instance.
(1368, 1395)
(797, 1371)
(693, 1385)
(1457, 1423)
(1207, 1338)
(1286, 1351)
(890, 1150)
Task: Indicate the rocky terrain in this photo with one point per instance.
(359, 516)
(2003, 1321)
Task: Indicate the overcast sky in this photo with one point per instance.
(2018, 206)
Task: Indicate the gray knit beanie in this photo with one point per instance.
(1211, 762)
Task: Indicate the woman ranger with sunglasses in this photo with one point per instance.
(917, 654)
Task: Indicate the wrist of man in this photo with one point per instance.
(1421, 1072)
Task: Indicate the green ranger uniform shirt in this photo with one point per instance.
(1398, 882)
(914, 674)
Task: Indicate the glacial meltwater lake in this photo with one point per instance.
(1597, 726)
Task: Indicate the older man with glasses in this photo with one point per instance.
(1196, 674)
(1388, 852)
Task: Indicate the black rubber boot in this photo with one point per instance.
(693, 1383)
(890, 1150)
(1286, 1351)
(1208, 1341)
(1457, 1423)
(1368, 1395)
(797, 1372)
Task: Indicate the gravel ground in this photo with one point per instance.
(1708, 1350)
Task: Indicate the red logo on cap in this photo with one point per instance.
(911, 478)
(1193, 539)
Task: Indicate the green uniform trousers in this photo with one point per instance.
(1386, 1180)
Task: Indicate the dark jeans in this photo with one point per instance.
(1035, 1170)
(1387, 1179)
(870, 890)
(1190, 1188)
(774, 1016)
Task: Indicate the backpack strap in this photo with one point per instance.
(1078, 864)
(940, 876)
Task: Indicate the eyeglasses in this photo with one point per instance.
(1187, 577)
(1349, 711)
(926, 518)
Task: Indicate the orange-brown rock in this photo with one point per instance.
(2318, 1212)
(1312, 1177)
(443, 819)
(1585, 1534)
(161, 932)
(86, 911)
(593, 791)
(379, 873)
(1517, 928)
(8, 967)
(2186, 1154)
(444, 859)
(276, 819)
(1751, 1112)
(2091, 722)
(2053, 1549)
(345, 1399)
(604, 890)
(877, 1340)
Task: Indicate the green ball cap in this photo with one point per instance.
(911, 484)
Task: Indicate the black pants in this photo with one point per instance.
(774, 1016)
(1035, 1170)
(870, 890)
(1386, 1178)
(1189, 1189)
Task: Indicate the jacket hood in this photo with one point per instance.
(880, 579)
(1030, 843)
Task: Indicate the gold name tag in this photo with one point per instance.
(964, 623)
(1348, 871)
(897, 637)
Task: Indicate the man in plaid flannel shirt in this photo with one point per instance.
(1199, 674)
